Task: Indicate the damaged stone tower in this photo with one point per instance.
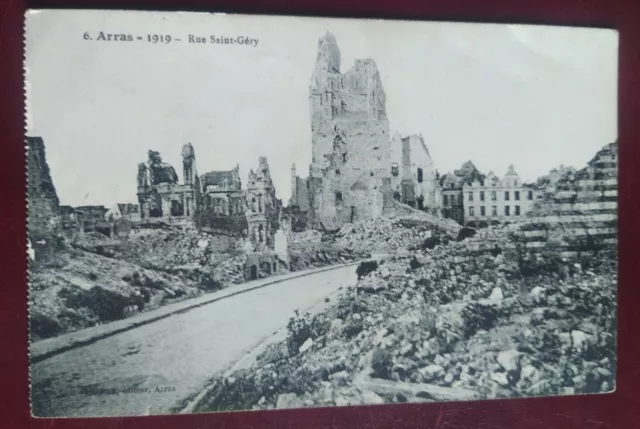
(349, 178)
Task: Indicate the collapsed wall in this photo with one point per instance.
(43, 217)
(578, 209)
(44, 204)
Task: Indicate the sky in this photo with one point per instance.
(532, 96)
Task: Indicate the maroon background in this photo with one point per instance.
(618, 410)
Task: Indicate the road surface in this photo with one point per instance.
(152, 368)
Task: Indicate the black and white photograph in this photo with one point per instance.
(240, 213)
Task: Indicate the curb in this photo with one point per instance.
(38, 357)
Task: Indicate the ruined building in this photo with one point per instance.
(452, 184)
(223, 202)
(414, 178)
(262, 207)
(44, 205)
(263, 216)
(349, 177)
(494, 199)
(297, 211)
(160, 195)
(580, 207)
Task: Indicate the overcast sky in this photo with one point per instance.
(531, 96)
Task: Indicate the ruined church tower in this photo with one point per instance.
(350, 168)
(351, 105)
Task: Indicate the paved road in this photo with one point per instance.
(150, 369)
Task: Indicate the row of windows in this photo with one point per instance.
(451, 199)
(494, 211)
(507, 195)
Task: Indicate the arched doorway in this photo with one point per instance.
(254, 272)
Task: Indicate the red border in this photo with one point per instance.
(618, 410)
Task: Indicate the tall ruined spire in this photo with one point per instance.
(327, 61)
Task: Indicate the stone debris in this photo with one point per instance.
(456, 321)
(306, 345)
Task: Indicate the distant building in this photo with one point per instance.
(262, 207)
(298, 208)
(497, 200)
(222, 192)
(93, 219)
(452, 184)
(126, 211)
(263, 211)
(161, 197)
(413, 175)
(223, 202)
(130, 212)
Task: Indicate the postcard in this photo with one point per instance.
(237, 213)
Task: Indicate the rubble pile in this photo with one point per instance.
(94, 279)
(303, 257)
(395, 234)
(185, 251)
(463, 320)
(163, 248)
(78, 289)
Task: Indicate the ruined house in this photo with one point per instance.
(414, 178)
(495, 199)
(223, 203)
(162, 199)
(452, 184)
(349, 177)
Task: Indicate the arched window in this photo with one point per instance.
(338, 197)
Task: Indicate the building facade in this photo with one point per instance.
(452, 190)
(497, 200)
(223, 205)
(262, 208)
(161, 197)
